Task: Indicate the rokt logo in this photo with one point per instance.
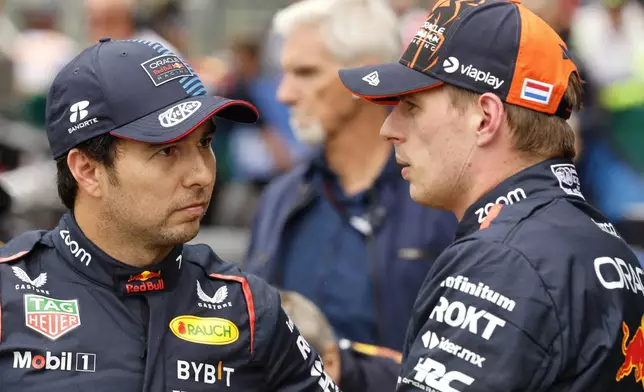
(456, 314)
(75, 249)
(451, 64)
(78, 111)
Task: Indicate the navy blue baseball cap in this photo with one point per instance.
(495, 46)
(136, 90)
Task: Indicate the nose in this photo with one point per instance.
(392, 130)
(286, 92)
(202, 170)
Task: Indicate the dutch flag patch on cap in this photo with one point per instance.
(536, 91)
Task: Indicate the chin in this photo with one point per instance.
(180, 234)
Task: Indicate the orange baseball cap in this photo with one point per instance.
(494, 46)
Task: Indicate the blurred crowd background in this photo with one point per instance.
(231, 45)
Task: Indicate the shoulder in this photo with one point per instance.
(21, 246)
(262, 302)
(261, 298)
(287, 181)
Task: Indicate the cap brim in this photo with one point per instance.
(150, 129)
(385, 83)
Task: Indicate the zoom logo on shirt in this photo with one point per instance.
(514, 196)
(456, 314)
(75, 249)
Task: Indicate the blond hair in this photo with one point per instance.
(535, 133)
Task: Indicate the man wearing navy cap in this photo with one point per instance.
(112, 299)
(538, 291)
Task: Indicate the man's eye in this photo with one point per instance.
(205, 142)
(168, 151)
(409, 106)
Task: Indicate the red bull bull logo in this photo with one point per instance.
(633, 353)
(143, 276)
(145, 283)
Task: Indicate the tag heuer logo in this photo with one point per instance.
(51, 317)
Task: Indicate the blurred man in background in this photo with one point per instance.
(355, 367)
(117, 19)
(341, 229)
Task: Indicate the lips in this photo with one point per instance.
(204, 205)
(401, 162)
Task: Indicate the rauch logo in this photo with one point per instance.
(204, 330)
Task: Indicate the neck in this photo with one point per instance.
(116, 243)
(356, 153)
(488, 177)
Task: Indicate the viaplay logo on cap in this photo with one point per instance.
(165, 68)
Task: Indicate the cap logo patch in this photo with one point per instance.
(536, 91)
(178, 113)
(568, 179)
(451, 64)
(78, 111)
(165, 68)
(373, 79)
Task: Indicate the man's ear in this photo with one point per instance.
(85, 171)
(492, 113)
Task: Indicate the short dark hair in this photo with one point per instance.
(101, 149)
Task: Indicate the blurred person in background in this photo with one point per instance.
(355, 367)
(411, 13)
(39, 52)
(249, 155)
(607, 37)
(340, 228)
(118, 19)
(27, 176)
(167, 19)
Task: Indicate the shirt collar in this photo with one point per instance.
(551, 178)
(88, 260)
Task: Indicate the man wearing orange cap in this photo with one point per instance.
(538, 292)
